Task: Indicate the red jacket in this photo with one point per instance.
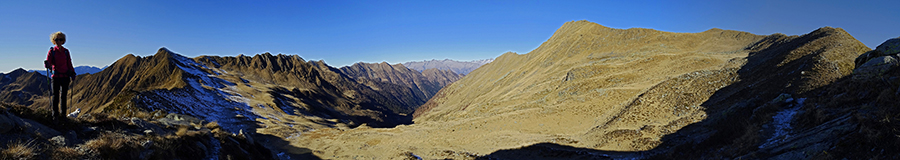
(60, 62)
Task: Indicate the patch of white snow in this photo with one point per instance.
(782, 123)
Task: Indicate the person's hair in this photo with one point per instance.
(58, 35)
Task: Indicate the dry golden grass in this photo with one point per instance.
(65, 153)
(182, 131)
(110, 143)
(212, 125)
(20, 150)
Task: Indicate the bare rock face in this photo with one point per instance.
(33, 127)
(889, 47)
(876, 67)
(877, 62)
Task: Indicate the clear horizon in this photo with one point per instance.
(343, 32)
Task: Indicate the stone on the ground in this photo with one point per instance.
(147, 126)
(178, 120)
(58, 141)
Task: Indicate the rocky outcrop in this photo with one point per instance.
(876, 67)
(890, 47)
(877, 62)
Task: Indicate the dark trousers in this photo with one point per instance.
(60, 90)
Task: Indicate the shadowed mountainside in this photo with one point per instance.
(23, 88)
(460, 67)
(410, 86)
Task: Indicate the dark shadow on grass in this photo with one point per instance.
(284, 149)
(280, 148)
(328, 106)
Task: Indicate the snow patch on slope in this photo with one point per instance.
(206, 97)
(782, 123)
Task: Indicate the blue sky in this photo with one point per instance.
(346, 32)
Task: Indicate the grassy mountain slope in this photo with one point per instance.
(596, 92)
(582, 61)
(127, 75)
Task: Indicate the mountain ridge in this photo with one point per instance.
(22, 87)
(267, 95)
(587, 92)
(459, 67)
(594, 92)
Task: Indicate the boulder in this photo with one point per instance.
(32, 127)
(889, 47)
(865, 57)
(6, 124)
(875, 67)
(59, 141)
(147, 126)
(178, 120)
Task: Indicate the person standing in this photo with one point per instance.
(60, 62)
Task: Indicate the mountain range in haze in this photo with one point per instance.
(78, 69)
(460, 67)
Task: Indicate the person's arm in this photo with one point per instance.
(48, 63)
(72, 73)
